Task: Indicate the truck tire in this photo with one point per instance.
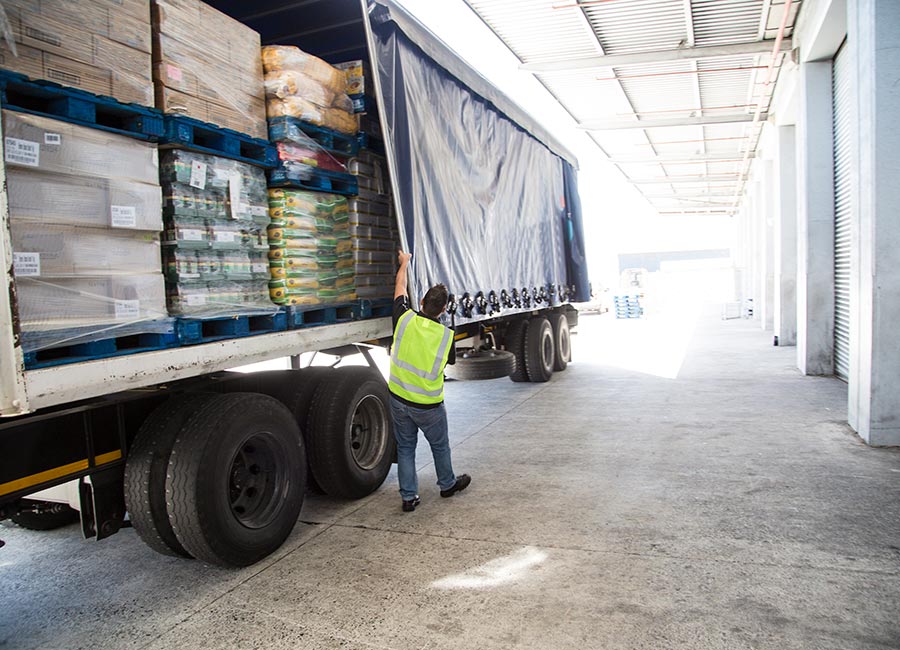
(236, 479)
(351, 440)
(562, 340)
(514, 342)
(486, 364)
(44, 515)
(146, 467)
(539, 350)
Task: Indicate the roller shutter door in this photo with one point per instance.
(843, 206)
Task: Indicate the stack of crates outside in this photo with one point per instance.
(214, 245)
(207, 66)
(373, 230)
(100, 46)
(628, 305)
(84, 220)
(310, 258)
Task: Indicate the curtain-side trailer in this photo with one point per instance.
(214, 465)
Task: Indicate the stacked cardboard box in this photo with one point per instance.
(214, 244)
(310, 256)
(85, 211)
(101, 46)
(207, 65)
(373, 230)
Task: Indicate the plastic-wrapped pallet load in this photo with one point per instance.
(214, 245)
(373, 227)
(84, 220)
(101, 46)
(303, 86)
(207, 66)
(310, 254)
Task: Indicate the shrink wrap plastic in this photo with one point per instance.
(207, 65)
(306, 87)
(214, 243)
(310, 251)
(85, 210)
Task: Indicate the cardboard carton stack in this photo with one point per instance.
(85, 211)
(100, 46)
(207, 65)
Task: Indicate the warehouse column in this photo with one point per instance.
(815, 226)
(765, 191)
(785, 183)
(874, 404)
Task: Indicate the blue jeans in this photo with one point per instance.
(433, 423)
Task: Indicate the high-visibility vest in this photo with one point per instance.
(418, 356)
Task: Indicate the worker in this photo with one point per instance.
(422, 347)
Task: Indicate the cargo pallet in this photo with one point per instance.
(187, 133)
(87, 344)
(300, 316)
(332, 141)
(40, 97)
(318, 180)
(192, 331)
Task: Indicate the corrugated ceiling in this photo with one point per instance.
(681, 123)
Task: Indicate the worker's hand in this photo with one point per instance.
(403, 258)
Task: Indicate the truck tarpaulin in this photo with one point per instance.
(484, 204)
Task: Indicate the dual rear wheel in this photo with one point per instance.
(540, 346)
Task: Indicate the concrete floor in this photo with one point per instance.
(613, 507)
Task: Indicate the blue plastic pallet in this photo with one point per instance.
(192, 331)
(373, 309)
(300, 316)
(319, 180)
(333, 141)
(186, 132)
(100, 349)
(40, 97)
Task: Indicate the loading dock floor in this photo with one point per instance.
(613, 507)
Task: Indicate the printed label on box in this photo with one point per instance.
(198, 175)
(174, 72)
(128, 309)
(189, 234)
(259, 210)
(52, 138)
(225, 236)
(123, 216)
(259, 268)
(27, 264)
(23, 152)
(195, 299)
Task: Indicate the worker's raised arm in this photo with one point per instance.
(400, 284)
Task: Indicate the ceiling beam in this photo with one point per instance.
(679, 158)
(650, 58)
(668, 180)
(616, 125)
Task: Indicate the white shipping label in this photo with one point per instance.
(52, 138)
(23, 152)
(188, 234)
(123, 216)
(128, 309)
(225, 236)
(27, 264)
(259, 210)
(198, 175)
(195, 299)
(234, 193)
(259, 268)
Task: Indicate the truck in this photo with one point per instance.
(214, 465)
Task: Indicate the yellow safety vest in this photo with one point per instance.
(420, 352)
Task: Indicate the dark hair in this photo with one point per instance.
(435, 300)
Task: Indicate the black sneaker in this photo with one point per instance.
(409, 506)
(462, 482)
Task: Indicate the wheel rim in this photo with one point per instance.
(547, 349)
(257, 480)
(368, 432)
